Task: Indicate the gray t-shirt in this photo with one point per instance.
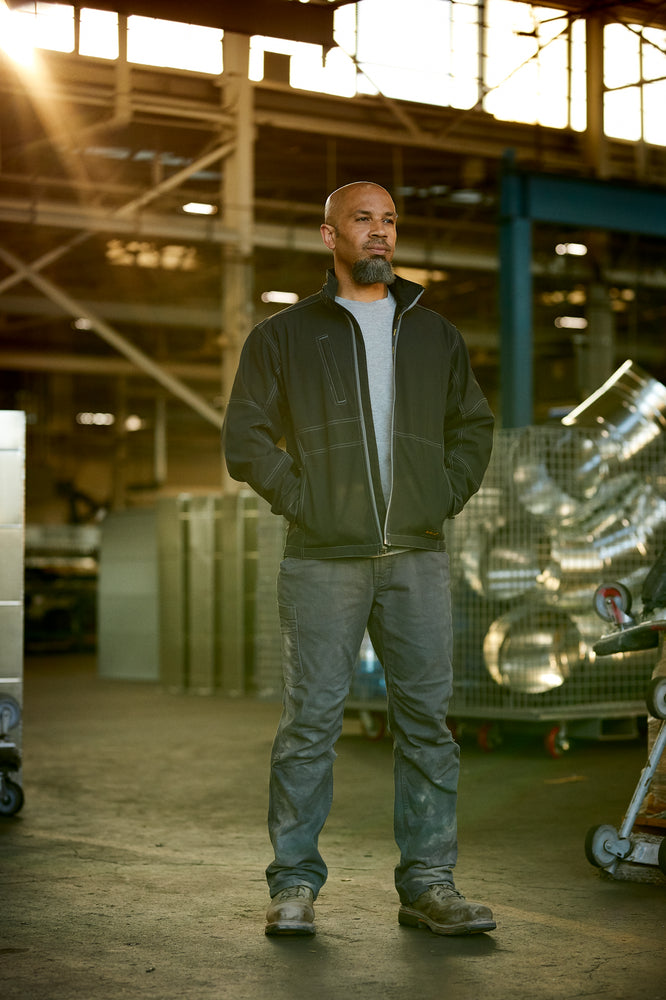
(376, 322)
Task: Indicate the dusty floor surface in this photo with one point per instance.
(135, 868)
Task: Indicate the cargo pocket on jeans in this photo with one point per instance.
(291, 653)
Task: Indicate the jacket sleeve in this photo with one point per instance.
(468, 429)
(253, 425)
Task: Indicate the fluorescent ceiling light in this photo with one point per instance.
(95, 419)
(466, 196)
(572, 249)
(285, 298)
(134, 422)
(571, 323)
(199, 208)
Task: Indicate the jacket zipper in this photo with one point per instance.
(396, 331)
(382, 531)
(366, 452)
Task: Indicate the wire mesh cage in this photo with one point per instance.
(562, 509)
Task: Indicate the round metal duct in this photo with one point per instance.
(532, 650)
(624, 542)
(503, 561)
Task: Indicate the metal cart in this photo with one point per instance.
(606, 846)
(634, 844)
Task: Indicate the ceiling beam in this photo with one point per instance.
(64, 215)
(81, 364)
(302, 22)
(196, 229)
(302, 239)
(146, 314)
(645, 12)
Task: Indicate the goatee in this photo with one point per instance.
(373, 271)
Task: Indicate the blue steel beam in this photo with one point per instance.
(596, 204)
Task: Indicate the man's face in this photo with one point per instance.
(362, 233)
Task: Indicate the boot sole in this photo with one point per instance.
(286, 928)
(412, 918)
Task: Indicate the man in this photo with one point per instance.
(387, 435)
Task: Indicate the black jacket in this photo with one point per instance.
(302, 386)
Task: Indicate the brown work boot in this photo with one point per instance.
(291, 911)
(445, 911)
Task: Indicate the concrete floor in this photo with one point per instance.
(135, 868)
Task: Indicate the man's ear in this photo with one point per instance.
(328, 235)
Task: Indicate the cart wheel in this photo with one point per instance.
(602, 845)
(11, 797)
(662, 856)
(556, 742)
(655, 699)
(612, 602)
(373, 724)
(489, 737)
(10, 713)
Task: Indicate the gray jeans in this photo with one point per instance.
(325, 606)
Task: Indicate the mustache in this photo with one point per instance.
(376, 244)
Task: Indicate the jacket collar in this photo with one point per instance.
(406, 292)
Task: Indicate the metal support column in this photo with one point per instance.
(238, 209)
(238, 195)
(515, 305)
(595, 139)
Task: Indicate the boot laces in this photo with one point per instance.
(444, 892)
(295, 892)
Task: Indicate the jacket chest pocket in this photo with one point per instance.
(331, 369)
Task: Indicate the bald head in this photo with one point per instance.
(339, 199)
(360, 230)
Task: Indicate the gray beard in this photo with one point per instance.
(373, 271)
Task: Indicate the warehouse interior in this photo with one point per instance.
(150, 216)
(99, 156)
